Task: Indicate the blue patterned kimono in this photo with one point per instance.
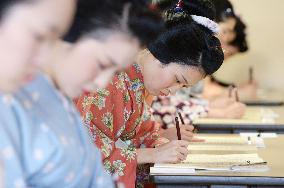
(43, 142)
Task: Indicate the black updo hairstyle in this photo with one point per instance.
(96, 15)
(224, 10)
(6, 4)
(161, 5)
(240, 41)
(188, 43)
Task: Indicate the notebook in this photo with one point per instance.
(206, 162)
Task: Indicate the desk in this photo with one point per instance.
(266, 98)
(273, 154)
(218, 126)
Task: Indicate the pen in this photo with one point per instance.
(250, 75)
(181, 119)
(237, 95)
(178, 128)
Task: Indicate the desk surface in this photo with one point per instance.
(219, 124)
(266, 98)
(273, 154)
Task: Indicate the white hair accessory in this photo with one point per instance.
(206, 22)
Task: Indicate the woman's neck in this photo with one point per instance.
(51, 68)
(141, 59)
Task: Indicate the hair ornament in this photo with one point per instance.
(179, 6)
(206, 22)
(229, 10)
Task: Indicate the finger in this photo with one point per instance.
(231, 101)
(186, 138)
(175, 157)
(196, 139)
(183, 143)
(183, 151)
(234, 94)
(187, 133)
(189, 127)
(181, 157)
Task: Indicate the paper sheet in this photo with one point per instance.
(233, 159)
(209, 149)
(252, 116)
(170, 170)
(261, 135)
(205, 162)
(224, 140)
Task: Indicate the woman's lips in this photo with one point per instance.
(163, 94)
(85, 92)
(29, 77)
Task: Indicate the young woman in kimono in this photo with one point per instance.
(118, 117)
(233, 39)
(26, 29)
(45, 144)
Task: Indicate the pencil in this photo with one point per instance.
(181, 119)
(178, 128)
(237, 95)
(251, 75)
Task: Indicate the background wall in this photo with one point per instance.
(265, 21)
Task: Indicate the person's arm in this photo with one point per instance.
(10, 145)
(212, 90)
(171, 152)
(233, 111)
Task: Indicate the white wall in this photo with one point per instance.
(265, 21)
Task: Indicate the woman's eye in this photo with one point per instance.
(102, 66)
(178, 81)
(38, 37)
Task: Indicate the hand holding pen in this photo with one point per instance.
(192, 129)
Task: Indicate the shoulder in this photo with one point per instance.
(13, 118)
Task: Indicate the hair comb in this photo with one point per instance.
(179, 6)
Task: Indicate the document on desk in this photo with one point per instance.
(252, 116)
(259, 135)
(220, 160)
(223, 149)
(239, 140)
(206, 162)
(224, 140)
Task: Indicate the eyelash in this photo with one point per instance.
(177, 81)
(102, 66)
(38, 37)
